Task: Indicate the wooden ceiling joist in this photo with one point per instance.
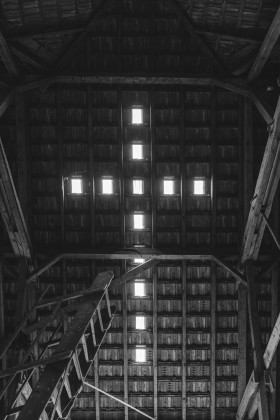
(264, 192)
(7, 57)
(194, 34)
(266, 48)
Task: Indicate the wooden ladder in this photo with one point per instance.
(65, 370)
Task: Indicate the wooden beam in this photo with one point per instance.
(7, 58)
(155, 342)
(213, 342)
(264, 192)
(266, 47)
(242, 341)
(125, 346)
(194, 35)
(11, 211)
(131, 274)
(6, 98)
(232, 270)
(184, 341)
(80, 38)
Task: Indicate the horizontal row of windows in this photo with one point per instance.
(137, 186)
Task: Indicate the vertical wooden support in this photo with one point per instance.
(184, 340)
(274, 314)
(241, 168)
(91, 167)
(120, 30)
(96, 383)
(125, 349)
(256, 340)
(64, 291)
(21, 155)
(183, 168)
(248, 157)
(242, 341)
(61, 169)
(3, 363)
(155, 342)
(213, 168)
(213, 342)
(121, 165)
(153, 167)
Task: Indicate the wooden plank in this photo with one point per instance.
(242, 341)
(11, 211)
(213, 342)
(7, 57)
(174, 6)
(125, 347)
(213, 166)
(155, 342)
(183, 167)
(248, 156)
(265, 189)
(97, 15)
(121, 167)
(266, 47)
(91, 168)
(184, 340)
(153, 169)
(131, 274)
(232, 270)
(59, 134)
(273, 365)
(249, 393)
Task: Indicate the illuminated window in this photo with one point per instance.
(76, 186)
(168, 186)
(139, 289)
(138, 186)
(140, 322)
(107, 186)
(138, 260)
(137, 151)
(137, 116)
(140, 355)
(199, 187)
(138, 221)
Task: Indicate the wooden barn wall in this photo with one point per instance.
(186, 133)
(88, 132)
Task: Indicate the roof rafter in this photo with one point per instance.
(78, 40)
(7, 57)
(264, 192)
(194, 35)
(266, 47)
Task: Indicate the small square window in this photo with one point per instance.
(137, 151)
(138, 260)
(199, 187)
(137, 116)
(107, 186)
(168, 187)
(138, 186)
(140, 355)
(139, 289)
(76, 186)
(140, 323)
(138, 221)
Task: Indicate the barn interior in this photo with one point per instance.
(139, 201)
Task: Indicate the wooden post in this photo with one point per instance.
(61, 171)
(242, 341)
(248, 157)
(213, 168)
(184, 340)
(91, 168)
(213, 342)
(183, 168)
(155, 342)
(125, 350)
(256, 341)
(153, 168)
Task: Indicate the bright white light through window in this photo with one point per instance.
(76, 186)
(139, 289)
(138, 221)
(137, 116)
(138, 186)
(140, 355)
(168, 187)
(107, 186)
(137, 151)
(140, 322)
(138, 260)
(199, 187)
